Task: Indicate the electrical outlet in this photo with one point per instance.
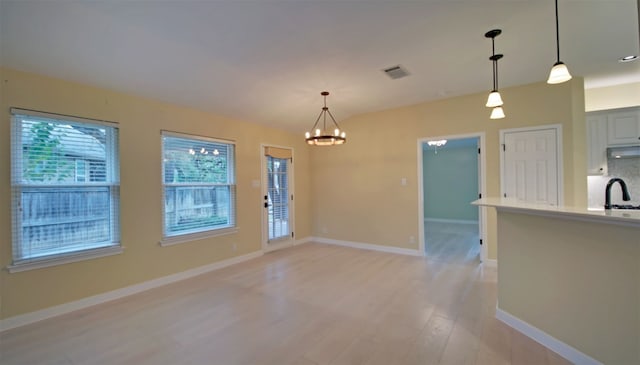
(412, 240)
(234, 247)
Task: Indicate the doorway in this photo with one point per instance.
(277, 192)
(451, 177)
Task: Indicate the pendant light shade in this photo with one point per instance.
(325, 136)
(559, 72)
(495, 100)
(497, 113)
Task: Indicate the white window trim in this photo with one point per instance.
(167, 133)
(66, 258)
(62, 117)
(189, 237)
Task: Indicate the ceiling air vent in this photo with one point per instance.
(396, 72)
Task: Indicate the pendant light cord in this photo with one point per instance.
(495, 83)
(557, 33)
(324, 119)
(495, 63)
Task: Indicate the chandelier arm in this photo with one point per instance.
(324, 117)
(333, 119)
(316, 123)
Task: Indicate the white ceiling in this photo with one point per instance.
(267, 61)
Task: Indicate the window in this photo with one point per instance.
(199, 187)
(65, 186)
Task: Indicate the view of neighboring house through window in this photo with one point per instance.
(199, 184)
(81, 170)
(65, 185)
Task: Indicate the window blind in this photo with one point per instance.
(282, 153)
(199, 184)
(278, 196)
(65, 185)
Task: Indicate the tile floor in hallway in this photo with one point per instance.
(452, 242)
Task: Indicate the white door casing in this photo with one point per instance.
(531, 164)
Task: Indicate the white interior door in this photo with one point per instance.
(531, 165)
(277, 198)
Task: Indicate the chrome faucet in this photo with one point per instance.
(607, 192)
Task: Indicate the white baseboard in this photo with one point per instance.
(368, 246)
(302, 240)
(27, 318)
(459, 221)
(545, 339)
(490, 263)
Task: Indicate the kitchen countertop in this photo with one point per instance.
(615, 216)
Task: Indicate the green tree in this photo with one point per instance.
(185, 167)
(42, 157)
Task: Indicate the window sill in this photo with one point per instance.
(65, 259)
(183, 238)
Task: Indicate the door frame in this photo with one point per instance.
(482, 184)
(559, 156)
(266, 247)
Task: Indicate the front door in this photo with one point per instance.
(277, 198)
(530, 165)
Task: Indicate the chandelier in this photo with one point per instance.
(436, 143)
(325, 136)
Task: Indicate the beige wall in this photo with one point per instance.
(576, 281)
(612, 97)
(356, 190)
(140, 121)
(352, 193)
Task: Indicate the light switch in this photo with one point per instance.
(403, 181)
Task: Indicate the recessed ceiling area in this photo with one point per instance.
(267, 61)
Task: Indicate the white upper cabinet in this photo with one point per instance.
(597, 144)
(624, 126)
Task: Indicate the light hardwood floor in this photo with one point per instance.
(312, 304)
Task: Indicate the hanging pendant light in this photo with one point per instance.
(559, 72)
(494, 98)
(324, 136)
(497, 113)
